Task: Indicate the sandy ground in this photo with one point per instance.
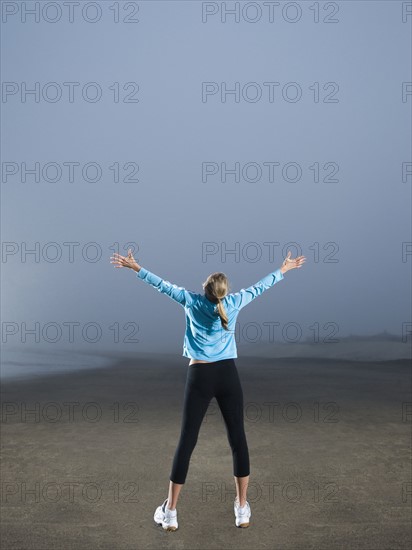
(329, 444)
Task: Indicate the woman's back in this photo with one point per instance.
(205, 337)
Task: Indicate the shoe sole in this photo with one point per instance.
(169, 528)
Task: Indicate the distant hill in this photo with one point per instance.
(377, 347)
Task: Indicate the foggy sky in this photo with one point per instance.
(362, 221)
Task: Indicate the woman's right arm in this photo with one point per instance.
(240, 299)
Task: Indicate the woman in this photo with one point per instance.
(210, 344)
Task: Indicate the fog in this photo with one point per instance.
(310, 153)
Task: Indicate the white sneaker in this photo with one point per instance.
(165, 517)
(242, 515)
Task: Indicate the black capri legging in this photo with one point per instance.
(204, 381)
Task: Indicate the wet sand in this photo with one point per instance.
(329, 444)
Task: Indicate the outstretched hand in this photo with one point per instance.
(292, 264)
(125, 261)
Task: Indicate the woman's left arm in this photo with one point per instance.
(178, 294)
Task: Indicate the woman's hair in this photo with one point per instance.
(216, 287)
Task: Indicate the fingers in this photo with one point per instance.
(119, 261)
(117, 257)
(299, 258)
(297, 263)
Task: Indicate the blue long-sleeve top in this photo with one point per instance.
(205, 338)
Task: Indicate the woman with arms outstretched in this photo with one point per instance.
(209, 343)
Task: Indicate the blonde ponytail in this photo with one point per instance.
(222, 314)
(216, 287)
